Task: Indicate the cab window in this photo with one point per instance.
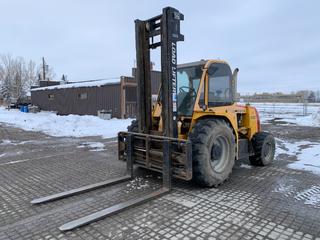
(187, 85)
(220, 84)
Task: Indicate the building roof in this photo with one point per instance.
(97, 83)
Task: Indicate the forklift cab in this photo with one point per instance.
(216, 81)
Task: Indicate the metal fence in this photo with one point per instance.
(293, 109)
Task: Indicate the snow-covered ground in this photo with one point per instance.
(296, 113)
(307, 153)
(307, 159)
(64, 126)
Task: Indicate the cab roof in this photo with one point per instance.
(201, 62)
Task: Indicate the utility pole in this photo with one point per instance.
(43, 69)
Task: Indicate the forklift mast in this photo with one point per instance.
(165, 27)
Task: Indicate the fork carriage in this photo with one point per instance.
(148, 152)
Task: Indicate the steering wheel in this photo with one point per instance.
(185, 89)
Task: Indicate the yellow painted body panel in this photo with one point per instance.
(251, 120)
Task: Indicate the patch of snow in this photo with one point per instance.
(93, 146)
(243, 165)
(310, 196)
(14, 162)
(307, 153)
(308, 159)
(12, 154)
(64, 126)
(6, 142)
(284, 187)
(308, 121)
(181, 200)
(137, 184)
(280, 150)
(311, 120)
(98, 83)
(9, 142)
(291, 148)
(31, 142)
(15, 143)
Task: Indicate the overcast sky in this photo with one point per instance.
(275, 44)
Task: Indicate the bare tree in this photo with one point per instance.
(31, 75)
(7, 76)
(17, 76)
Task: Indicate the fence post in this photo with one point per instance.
(305, 108)
(273, 106)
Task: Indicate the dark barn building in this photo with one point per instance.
(87, 98)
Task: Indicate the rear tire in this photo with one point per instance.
(263, 144)
(213, 151)
(133, 127)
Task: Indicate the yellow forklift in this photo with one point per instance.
(194, 131)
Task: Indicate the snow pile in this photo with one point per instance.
(64, 126)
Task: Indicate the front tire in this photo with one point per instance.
(213, 151)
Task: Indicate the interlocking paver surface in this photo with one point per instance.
(273, 202)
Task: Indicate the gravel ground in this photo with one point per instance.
(273, 202)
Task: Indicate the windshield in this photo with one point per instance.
(188, 84)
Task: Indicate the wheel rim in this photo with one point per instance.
(219, 153)
(267, 150)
